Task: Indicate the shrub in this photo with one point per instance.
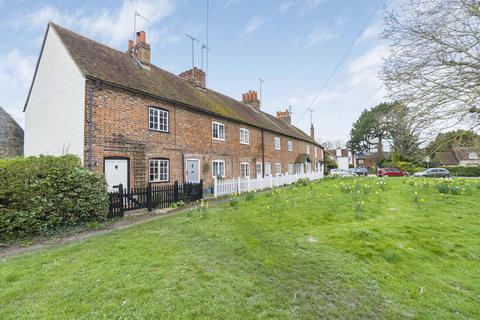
(442, 188)
(408, 166)
(40, 195)
(464, 171)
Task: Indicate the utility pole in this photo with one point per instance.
(193, 53)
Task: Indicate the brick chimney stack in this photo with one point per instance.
(251, 98)
(141, 48)
(197, 77)
(312, 132)
(285, 116)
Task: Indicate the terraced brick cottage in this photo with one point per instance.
(138, 123)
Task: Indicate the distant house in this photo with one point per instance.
(369, 159)
(11, 136)
(459, 156)
(340, 157)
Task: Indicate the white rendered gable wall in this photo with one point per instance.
(54, 115)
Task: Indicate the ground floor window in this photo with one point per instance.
(317, 166)
(218, 168)
(158, 170)
(299, 168)
(245, 169)
(258, 169)
(290, 168)
(278, 168)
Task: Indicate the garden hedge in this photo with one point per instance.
(464, 171)
(40, 195)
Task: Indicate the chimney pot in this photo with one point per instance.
(130, 45)
(142, 48)
(251, 99)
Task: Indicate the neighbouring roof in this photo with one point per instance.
(464, 153)
(11, 136)
(101, 62)
(372, 155)
(446, 158)
(333, 152)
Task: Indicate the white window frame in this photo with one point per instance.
(473, 156)
(315, 151)
(308, 149)
(244, 133)
(290, 145)
(213, 168)
(247, 171)
(278, 168)
(277, 143)
(159, 174)
(291, 169)
(218, 124)
(261, 169)
(159, 125)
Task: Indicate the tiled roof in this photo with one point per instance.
(463, 153)
(446, 158)
(11, 136)
(98, 61)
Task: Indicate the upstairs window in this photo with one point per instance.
(290, 145)
(158, 119)
(315, 151)
(158, 170)
(218, 168)
(308, 149)
(244, 136)
(245, 169)
(218, 131)
(276, 142)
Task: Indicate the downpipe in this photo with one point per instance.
(91, 89)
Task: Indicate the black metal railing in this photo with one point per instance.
(152, 197)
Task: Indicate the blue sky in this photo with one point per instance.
(293, 45)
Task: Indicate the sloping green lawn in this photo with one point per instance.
(366, 248)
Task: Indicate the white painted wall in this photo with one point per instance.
(54, 116)
(342, 163)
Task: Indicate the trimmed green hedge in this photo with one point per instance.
(41, 195)
(464, 171)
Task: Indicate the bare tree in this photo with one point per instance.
(434, 64)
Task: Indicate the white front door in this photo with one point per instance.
(193, 170)
(116, 172)
(267, 169)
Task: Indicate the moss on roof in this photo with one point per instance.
(98, 61)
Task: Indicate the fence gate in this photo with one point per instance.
(152, 197)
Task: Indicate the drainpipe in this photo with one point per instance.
(263, 156)
(90, 124)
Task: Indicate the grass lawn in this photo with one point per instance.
(366, 248)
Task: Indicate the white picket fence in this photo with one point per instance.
(223, 187)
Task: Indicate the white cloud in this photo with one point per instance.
(337, 108)
(372, 31)
(319, 37)
(111, 26)
(16, 72)
(253, 24)
(285, 6)
(299, 7)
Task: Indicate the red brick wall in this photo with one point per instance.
(120, 128)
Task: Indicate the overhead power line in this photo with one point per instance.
(340, 62)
